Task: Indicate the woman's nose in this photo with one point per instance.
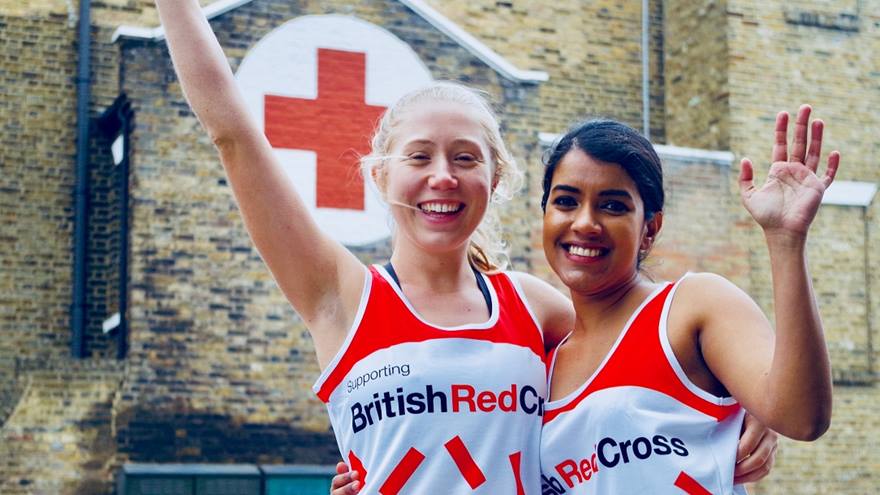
(442, 176)
(586, 222)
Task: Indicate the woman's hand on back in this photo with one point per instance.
(756, 452)
(345, 482)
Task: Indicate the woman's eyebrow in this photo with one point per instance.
(567, 188)
(418, 142)
(616, 192)
(467, 141)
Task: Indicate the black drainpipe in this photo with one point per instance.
(81, 215)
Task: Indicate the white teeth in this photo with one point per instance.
(439, 207)
(588, 253)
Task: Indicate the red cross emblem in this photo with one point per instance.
(337, 126)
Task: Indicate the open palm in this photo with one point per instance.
(788, 200)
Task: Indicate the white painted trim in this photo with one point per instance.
(548, 138)
(111, 323)
(158, 34)
(694, 154)
(473, 45)
(841, 192)
(222, 7)
(138, 33)
(665, 151)
(850, 193)
(433, 17)
(117, 149)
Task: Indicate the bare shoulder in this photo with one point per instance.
(553, 309)
(530, 283)
(705, 295)
(539, 292)
(706, 285)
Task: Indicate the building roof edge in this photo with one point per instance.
(422, 9)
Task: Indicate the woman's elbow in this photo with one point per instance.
(811, 428)
(223, 140)
(818, 428)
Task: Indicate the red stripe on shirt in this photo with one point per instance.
(403, 472)
(465, 462)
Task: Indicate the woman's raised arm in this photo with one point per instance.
(783, 379)
(320, 278)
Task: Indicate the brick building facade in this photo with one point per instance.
(217, 368)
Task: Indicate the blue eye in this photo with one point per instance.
(418, 157)
(466, 159)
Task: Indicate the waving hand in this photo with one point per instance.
(787, 202)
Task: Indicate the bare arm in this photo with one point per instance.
(783, 379)
(553, 310)
(310, 268)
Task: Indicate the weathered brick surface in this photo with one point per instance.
(842, 461)
(220, 368)
(774, 64)
(592, 51)
(835, 71)
(695, 70)
(59, 438)
(36, 155)
(696, 195)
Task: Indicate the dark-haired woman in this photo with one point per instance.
(603, 209)
(647, 392)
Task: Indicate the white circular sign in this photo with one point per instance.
(317, 85)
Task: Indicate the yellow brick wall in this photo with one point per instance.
(210, 330)
(774, 64)
(592, 51)
(695, 70)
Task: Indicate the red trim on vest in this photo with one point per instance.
(639, 361)
(386, 309)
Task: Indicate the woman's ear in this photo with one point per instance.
(496, 178)
(652, 228)
(378, 175)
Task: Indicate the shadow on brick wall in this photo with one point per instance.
(151, 435)
(10, 388)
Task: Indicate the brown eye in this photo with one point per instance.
(564, 202)
(616, 207)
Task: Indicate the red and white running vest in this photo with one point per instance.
(639, 425)
(422, 409)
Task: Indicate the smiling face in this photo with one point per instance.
(595, 225)
(440, 165)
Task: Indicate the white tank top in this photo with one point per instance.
(421, 409)
(639, 425)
